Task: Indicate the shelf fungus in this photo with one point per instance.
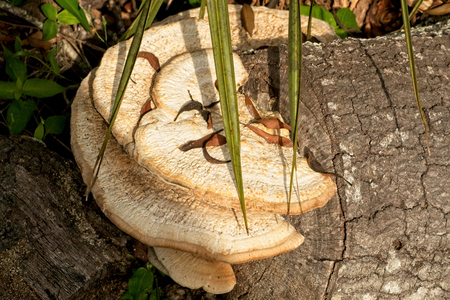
(165, 179)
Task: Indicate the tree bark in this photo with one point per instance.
(387, 236)
(54, 245)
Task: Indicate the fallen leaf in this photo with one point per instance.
(248, 18)
(212, 104)
(270, 138)
(188, 106)
(251, 108)
(216, 140)
(316, 166)
(273, 123)
(36, 41)
(152, 59)
(312, 162)
(211, 159)
(210, 124)
(213, 139)
(147, 107)
(439, 11)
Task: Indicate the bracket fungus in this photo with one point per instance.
(166, 194)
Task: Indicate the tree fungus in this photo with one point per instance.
(156, 182)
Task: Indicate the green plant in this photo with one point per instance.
(71, 14)
(143, 285)
(345, 16)
(22, 107)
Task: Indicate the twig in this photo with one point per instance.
(65, 36)
(20, 13)
(19, 25)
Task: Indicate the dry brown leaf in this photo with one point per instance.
(440, 10)
(273, 123)
(188, 106)
(213, 139)
(270, 138)
(251, 108)
(316, 166)
(248, 18)
(152, 59)
(216, 140)
(211, 159)
(210, 122)
(36, 41)
(147, 107)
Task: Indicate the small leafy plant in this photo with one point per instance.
(71, 14)
(143, 285)
(345, 15)
(21, 88)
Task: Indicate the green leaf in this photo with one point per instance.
(6, 52)
(49, 11)
(55, 124)
(19, 88)
(141, 280)
(21, 53)
(17, 45)
(49, 30)
(67, 18)
(18, 115)
(15, 68)
(219, 26)
(154, 295)
(195, 3)
(41, 88)
(51, 56)
(143, 296)
(341, 33)
(7, 89)
(294, 80)
(39, 132)
(75, 9)
(348, 18)
(320, 13)
(127, 296)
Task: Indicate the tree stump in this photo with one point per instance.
(385, 237)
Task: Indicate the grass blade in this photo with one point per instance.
(201, 15)
(412, 67)
(294, 77)
(147, 10)
(154, 8)
(308, 34)
(219, 25)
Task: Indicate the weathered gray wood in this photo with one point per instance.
(52, 245)
(388, 235)
(385, 237)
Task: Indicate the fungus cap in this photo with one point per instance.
(193, 271)
(162, 214)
